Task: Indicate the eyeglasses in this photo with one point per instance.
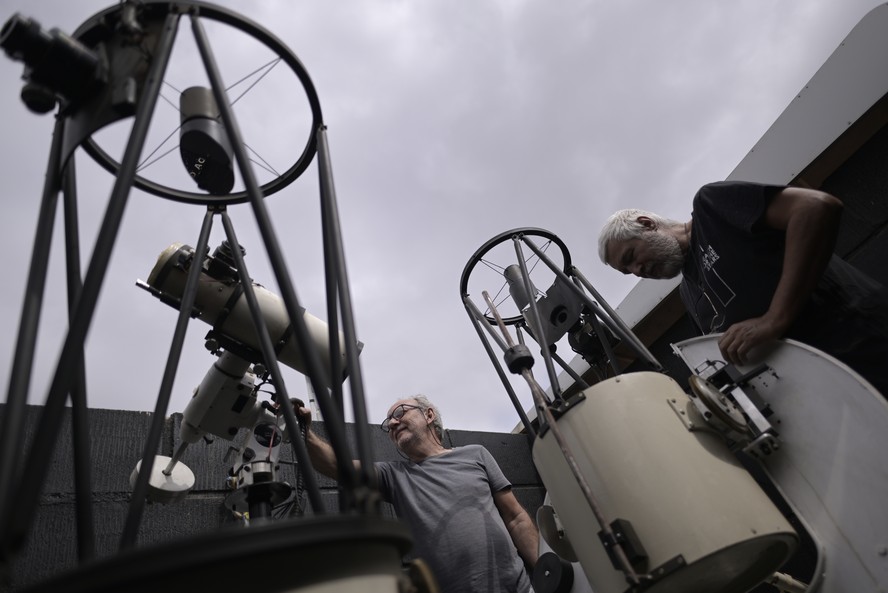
(397, 414)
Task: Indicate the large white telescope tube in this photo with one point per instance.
(703, 522)
(222, 305)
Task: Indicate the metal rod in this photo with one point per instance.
(622, 559)
(523, 342)
(37, 465)
(336, 260)
(614, 322)
(485, 323)
(627, 332)
(605, 343)
(537, 321)
(271, 361)
(79, 417)
(155, 430)
(499, 320)
(545, 412)
(335, 430)
(23, 362)
(478, 324)
(574, 375)
(168, 470)
(330, 280)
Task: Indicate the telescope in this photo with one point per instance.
(114, 68)
(226, 399)
(744, 475)
(220, 303)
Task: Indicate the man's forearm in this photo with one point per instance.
(810, 236)
(323, 459)
(526, 538)
(322, 456)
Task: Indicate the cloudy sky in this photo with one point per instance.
(449, 122)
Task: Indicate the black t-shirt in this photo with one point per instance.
(734, 264)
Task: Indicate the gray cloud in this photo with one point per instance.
(449, 123)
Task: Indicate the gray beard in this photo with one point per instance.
(670, 258)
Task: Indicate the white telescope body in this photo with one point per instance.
(651, 460)
(222, 305)
(225, 401)
(645, 493)
(831, 466)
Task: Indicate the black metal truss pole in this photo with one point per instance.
(155, 431)
(21, 511)
(26, 343)
(79, 416)
(336, 431)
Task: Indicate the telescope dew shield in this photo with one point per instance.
(222, 305)
(203, 142)
(703, 521)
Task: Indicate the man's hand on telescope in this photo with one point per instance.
(303, 414)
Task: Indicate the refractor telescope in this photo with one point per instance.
(220, 302)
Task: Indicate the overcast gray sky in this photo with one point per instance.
(449, 122)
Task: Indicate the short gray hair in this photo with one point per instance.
(623, 225)
(437, 423)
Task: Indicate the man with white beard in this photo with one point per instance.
(757, 263)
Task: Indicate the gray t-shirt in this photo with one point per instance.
(447, 502)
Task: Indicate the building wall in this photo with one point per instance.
(862, 184)
(117, 439)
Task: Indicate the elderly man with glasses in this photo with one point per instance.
(465, 520)
(757, 263)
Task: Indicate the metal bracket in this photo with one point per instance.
(623, 535)
(661, 572)
(729, 403)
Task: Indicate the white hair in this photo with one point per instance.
(437, 423)
(623, 225)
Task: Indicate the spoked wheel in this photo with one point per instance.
(275, 103)
(487, 270)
